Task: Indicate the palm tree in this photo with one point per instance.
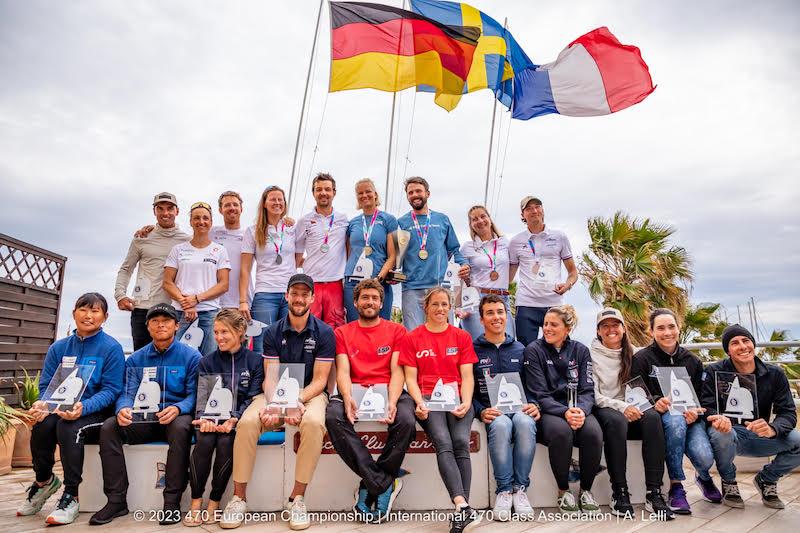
(632, 266)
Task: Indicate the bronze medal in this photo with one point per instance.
(494, 276)
(423, 254)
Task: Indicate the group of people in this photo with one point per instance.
(331, 319)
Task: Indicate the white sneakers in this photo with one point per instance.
(65, 512)
(502, 506)
(521, 503)
(505, 501)
(233, 515)
(299, 515)
(36, 497)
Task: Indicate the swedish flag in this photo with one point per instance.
(496, 59)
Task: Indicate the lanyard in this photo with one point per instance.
(423, 236)
(328, 231)
(368, 231)
(533, 248)
(278, 249)
(493, 257)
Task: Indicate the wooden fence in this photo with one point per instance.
(31, 280)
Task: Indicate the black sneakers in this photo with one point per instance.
(464, 519)
(769, 492)
(621, 502)
(108, 513)
(731, 496)
(655, 504)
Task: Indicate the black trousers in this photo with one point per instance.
(617, 431)
(378, 475)
(70, 435)
(200, 463)
(450, 436)
(560, 439)
(178, 435)
(141, 337)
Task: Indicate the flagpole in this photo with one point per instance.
(491, 138)
(389, 155)
(305, 98)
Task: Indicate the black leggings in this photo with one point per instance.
(450, 436)
(200, 463)
(617, 431)
(560, 438)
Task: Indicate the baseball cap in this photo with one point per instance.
(302, 279)
(528, 199)
(165, 197)
(162, 310)
(609, 312)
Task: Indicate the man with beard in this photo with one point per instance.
(302, 338)
(757, 434)
(147, 254)
(367, 351)
(322, 234)
(433, 242)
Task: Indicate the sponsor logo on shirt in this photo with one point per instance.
(210, 260)
(550, 362)
(244, 378)
(515, 360)
(384, 350)
(425, 353)
(485, 361)
(309, 345)
(452, 350)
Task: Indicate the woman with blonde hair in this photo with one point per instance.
(241, 372)
(370, 248)
(487, 254)
(270, 242)
(437, 353)
(558, 375)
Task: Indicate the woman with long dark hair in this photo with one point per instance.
(612, 358)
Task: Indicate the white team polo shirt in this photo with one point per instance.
(197, 270)
(270, 276)
(310, 237)
(540, 272)
(232, 239)
(480, 269)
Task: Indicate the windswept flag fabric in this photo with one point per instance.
(595, 75)
(390, 49)
(497, 57)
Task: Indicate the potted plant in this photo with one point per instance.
(8, 417)
(27, 394)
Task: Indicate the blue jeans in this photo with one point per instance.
(512, 443)
(472, 322)
(529, 320)
(691, 439)
(413, 313)
(206, 323)
(267, 307)
(350, 309)
(740, 441)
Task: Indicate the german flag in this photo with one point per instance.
(390, 49)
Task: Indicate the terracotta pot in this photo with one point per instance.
(22, 445)
(7, 449)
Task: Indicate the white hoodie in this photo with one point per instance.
(606, 366)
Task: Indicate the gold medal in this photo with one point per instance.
(368, 250)
(494, 276)
(423, 254)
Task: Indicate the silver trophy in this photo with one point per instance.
(402, 238)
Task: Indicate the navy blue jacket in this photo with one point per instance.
(772, 389)
(505, 359)
(247, 366)
(546, 375)
(101, 351)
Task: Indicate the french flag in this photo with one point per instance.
(595, 75)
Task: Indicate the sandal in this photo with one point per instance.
(193, 518)
(213, 513)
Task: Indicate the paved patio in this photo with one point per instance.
(705, 517)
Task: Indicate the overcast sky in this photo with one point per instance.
(103, 104)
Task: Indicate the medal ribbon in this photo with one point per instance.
(368, 232)
(533, 248)
(493, 257)
(328, 231)
(423, 236)
(278, 249)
